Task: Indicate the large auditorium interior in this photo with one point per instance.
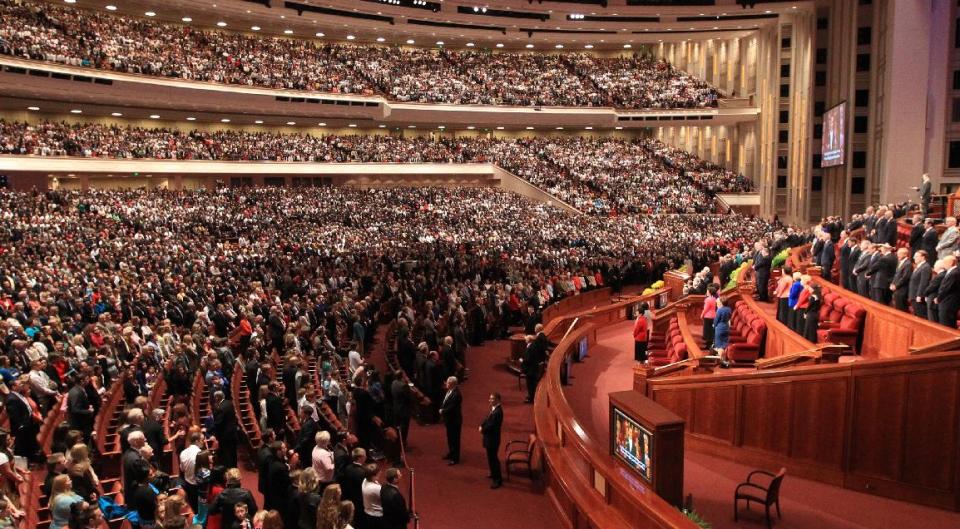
(483, 264)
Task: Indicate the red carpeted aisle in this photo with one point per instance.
(806, 504)
(460, 496)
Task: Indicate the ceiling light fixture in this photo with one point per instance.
(320, 35)
(352, 125)
(380, 126)
(116, 114)
(154, 116)
(150, 14)
(186, 19)
(627, 46)
(470, 44)
(291, 123)
(350, 37)
(258, 121)
(225, 120)
(589, 46)
(288, 32)
(470, 127)
(191, 118)
(76, 111)
(499, 128)
(439, 43)
(529, 46)
(222, 24)
(499, 44)
(380, 39)
(33, 108)
(321, 124)
(588, 128)
(110, 7)
(559, 46)
(409, 41)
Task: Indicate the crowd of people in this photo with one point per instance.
(43, 31)
(137, 287)
(604, 176)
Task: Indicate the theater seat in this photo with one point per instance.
(847, 332)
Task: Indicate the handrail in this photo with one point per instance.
(939, 347)
(674, 367)
(565, 441)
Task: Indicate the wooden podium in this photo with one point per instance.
(647, 439)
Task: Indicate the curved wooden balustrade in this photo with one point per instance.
(587, 486)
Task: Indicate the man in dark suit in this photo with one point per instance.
(402, 404)
(490, 430)
(25, 419)
(901, 280)
(533, 356)
(451, 411)
(230, 496)
(919, 280)
(916, 235)
(351, 481)
(225, 429)
(395, 513)
(930, 240)
(276, 411)
(278, 477)
(306, 437)
(80, 412)
(948, 297)
(761, 264)
(925, 190)
(930, 294)
(888, 233)
(881, 275)
(153, 430)
(847, 279)
(264, 457)
(827, 257)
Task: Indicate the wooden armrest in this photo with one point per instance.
(760, 472)
(750, 485)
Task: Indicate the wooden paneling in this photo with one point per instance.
(819, 406)
(765, 426)
(931, 415)
(877, 430)
(715, 410)
(679, 402)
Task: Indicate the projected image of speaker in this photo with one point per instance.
(833, 143)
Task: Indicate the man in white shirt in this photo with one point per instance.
(41, 384)
(323, 459)
(188, 466)
(355, 360)
(372, 505)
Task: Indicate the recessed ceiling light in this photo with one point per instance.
(409, 41)
(439, 43)
(255, 28)
(627, 46)
(110, 7)
(470, 127)
(150, 14)
(222, 24)
(321, 124)
(70, 1)
(191, 118)
(618, 128)
(589, 46)
(470, 44)
(381, 126)
(558, 128)
(116, 114)
(225, 120)
(380, 39)
(186, 19)
(588, 128)
(529, 46)
(320, 34)
(76, 111)
(288, 32)
(291, 123)
(499, 128)
(441, 127)
(559, 46)
(352, 125)
(499, 45)
(411, 126)
(154, 116)
(350, 37)
(529, 128)
(33, 108)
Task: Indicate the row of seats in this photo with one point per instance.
(246, 415)
(748, 331)
(841, 320)
(667, 348)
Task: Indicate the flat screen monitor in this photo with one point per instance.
(632, 444)
(833, 144)
(583, 349)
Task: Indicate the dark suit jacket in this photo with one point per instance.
(883, 271)
(276, 414)
(451, 408)
(929, 242)
(225, 423)
(919, 280)
(153, 431)
(306, 440)
(402, 399)
(949, 293)
(20, 416)
(828, 255)
(916, 238)
(78, 409)
(351, 484)
(901, 278)
(278, 490)
(535, 354)
(395, 514)
(933, 287)
(490, 428)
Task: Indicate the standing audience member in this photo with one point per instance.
(395, 512)
(451, 410)
(372, 508)
(919, 280)
(490, 430)
(641, 335)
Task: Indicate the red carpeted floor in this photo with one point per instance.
(806, 504)
(460, 496)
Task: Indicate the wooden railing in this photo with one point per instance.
(587, 486)
(887, 427)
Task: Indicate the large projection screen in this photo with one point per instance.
(833, 147)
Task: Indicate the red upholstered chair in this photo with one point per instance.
(848, 331)
(748, 351)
